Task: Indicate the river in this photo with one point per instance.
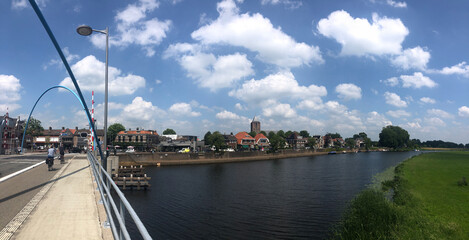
(293, 198)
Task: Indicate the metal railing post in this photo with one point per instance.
(105, 185)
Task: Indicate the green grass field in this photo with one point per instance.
(428, 203)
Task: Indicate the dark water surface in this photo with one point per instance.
(294, 198)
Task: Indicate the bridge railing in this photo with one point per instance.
(115, 213)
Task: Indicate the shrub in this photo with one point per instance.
(462, 182)
(369, 216)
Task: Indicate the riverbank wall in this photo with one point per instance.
(167, 159)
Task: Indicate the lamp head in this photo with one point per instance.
(84, 30)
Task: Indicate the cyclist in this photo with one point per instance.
(50, 157)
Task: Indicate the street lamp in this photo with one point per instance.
(85, 30)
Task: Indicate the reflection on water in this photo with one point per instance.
(295, 198)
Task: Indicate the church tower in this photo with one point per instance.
(255, 125)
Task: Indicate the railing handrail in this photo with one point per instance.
(105, 191)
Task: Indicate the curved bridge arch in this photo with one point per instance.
(29, 117)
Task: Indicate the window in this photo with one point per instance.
(118, 138)
(141, 138)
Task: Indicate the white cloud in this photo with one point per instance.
(227, 115)
(240, 107)
(184, 109)
(209, 71)
(139, 113)
(413, 125)
(9, 88)
(396, 4)
(376, 121)
(69, 56)
(394, 99)
(398, 113)
(348, 91)
(21, 4)
(257, 34)
(458, 69)
(463, 111)
(89, 73)
(360, 37)
(435, 122)
(134, 28)
(412, 58)
(428, 100)
(275, 87)
(417, 81)
(335, 107)
(391, 81)
(291, 4)
(311, 104)
(340, 119)
(439, 113)
(279, 110)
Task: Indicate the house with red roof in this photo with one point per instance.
(262, 141)
(245, 140)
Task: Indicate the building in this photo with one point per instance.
(11, 131)
(231, 141)
(296, 141)
(262, 141)
(142, 140)
(244, 140)
(255, 126)
(72, 139)
(319, 141)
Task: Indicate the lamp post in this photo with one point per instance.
(85, 30)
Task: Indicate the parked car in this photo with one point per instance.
(130, 150)
(184, 150)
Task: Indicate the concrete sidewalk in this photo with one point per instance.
(68, 210)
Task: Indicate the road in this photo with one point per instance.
(17, 191)
(13, 163)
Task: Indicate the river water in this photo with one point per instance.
(294, 198)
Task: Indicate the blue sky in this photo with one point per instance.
(198, 66)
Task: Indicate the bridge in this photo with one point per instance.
(62, 204)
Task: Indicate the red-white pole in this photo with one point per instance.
(92, 119)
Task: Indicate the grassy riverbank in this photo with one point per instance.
(428, 203)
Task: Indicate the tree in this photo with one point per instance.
(169, 131)
(263, 132)
(217, 140)
(304, 134)
(333, 135)
(393, 137)
(311, 142)
(207, 138)
(113, 130)
(34, 127)
(288, 133)
(272, 134)
(350, 142)
(281, 134)
(253, 134)
(276, 142)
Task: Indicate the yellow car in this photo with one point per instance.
(184, 150)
